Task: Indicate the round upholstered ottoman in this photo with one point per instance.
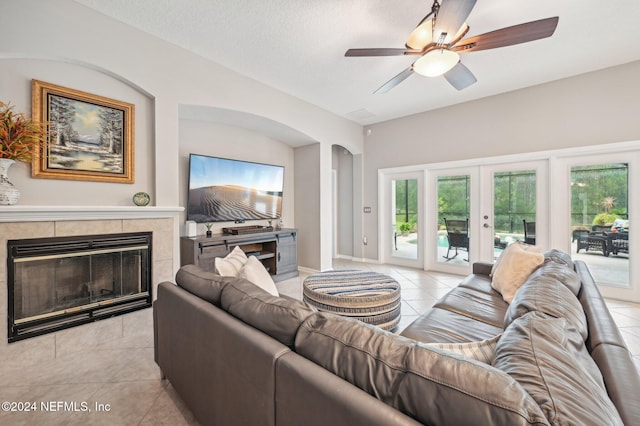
(371, 297)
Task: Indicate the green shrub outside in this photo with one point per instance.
(605, 219)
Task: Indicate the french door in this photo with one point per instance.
(495, 202)
(454, 201)
(401, 224)
(600, 212)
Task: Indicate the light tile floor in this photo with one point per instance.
(125, 383)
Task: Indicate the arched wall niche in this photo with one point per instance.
(16, 75)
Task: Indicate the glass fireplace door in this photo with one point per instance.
(56, 282)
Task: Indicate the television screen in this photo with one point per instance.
(222, 190)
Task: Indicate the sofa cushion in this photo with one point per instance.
(513, 267)
(560, 257)
(544, 292)
(482, 283)
(450, 389)
(279, 317)
(440, 325)
(560, 273)
(547, 356)
(472, 311)
(206, 285)
(230, 265)
(429, 384)
(253, 270)
(560, 266)
(362, 354)
(477, 305)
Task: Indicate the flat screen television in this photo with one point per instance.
(225, 190)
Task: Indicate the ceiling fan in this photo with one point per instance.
(438, 41)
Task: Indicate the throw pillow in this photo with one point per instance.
(254, 271)
(513, 267)
(483, 351)
(230, 265)
(522, 245)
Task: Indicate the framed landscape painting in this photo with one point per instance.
(89, 137)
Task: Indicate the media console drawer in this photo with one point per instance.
(277, 250)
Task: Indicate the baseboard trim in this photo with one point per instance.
(340, 257)
(307, 270)
(358, 259)
(343, 256)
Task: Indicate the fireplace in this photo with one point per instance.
(57, 283)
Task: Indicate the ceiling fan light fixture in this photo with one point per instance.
(422, 36)
(436, 62)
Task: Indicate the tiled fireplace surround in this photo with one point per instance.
(40, 222)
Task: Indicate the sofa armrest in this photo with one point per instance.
(482, 268)
(608, 348)
(222, 369)
(616, 365)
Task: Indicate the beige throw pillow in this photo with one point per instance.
(255, 272)
(513, 267)
(231, 264)
(524, 246)
(483, 350)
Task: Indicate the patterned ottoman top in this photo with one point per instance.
(371, 297)
(351, 283)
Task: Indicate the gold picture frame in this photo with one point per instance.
(89, 137)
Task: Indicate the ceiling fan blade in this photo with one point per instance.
(460, 77)
(381, 52)
(464, 29)
(395, 81)
(509, 36)
(452, 14)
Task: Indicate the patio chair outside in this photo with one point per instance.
(529, 232)
(601, 238)
(595, 240)
(458, 236)
(618, 242)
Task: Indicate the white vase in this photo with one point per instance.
(9, 194)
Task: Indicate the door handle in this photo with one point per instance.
(486, 225)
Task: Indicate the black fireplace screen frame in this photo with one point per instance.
(38, 247)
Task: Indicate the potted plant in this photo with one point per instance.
(20, 139)
(404, 228)
(607, 217)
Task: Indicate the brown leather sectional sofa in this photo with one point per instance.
(239, 356)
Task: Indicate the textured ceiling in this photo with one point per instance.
(298, 46)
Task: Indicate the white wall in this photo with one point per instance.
(219, 140)
(342, 163)
(358, 207)
(308, 213)
(591, 109)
